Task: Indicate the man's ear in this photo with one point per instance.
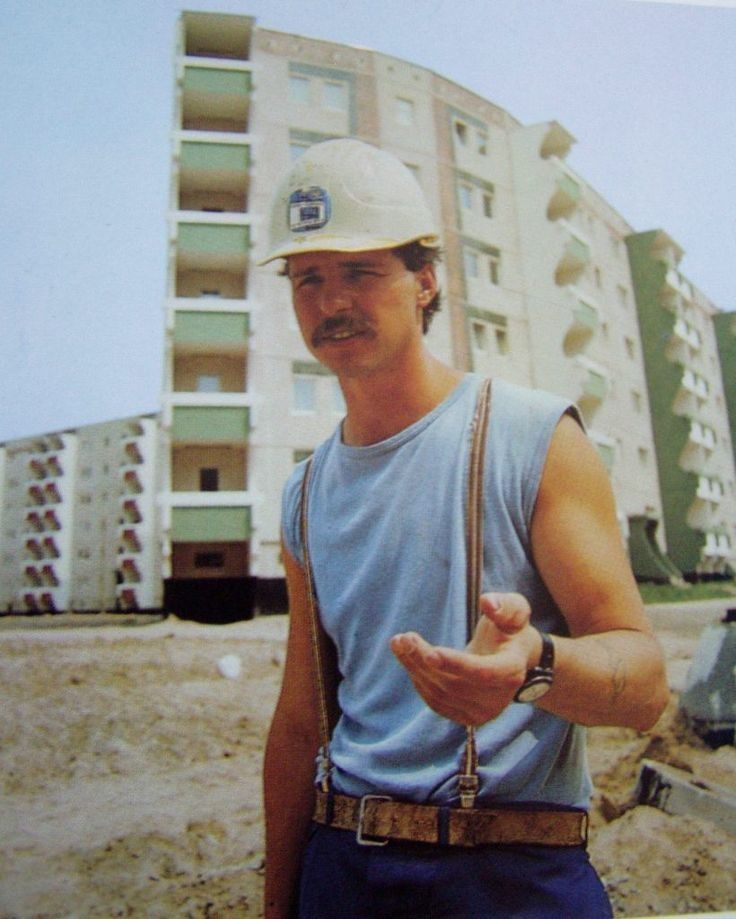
(426, 279)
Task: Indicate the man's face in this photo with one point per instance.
(358, 310)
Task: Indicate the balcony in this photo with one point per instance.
(129, 540)
(212, 247)
(201, 423)
(710, 490)
(198, 332)
(213, 176)
(574, 259)
(677, 285)
(684, 342)
(129, 572)
(584, 322)
(132, 483)
(131, 511)
(131, 454)
(217, 35)
(593, 387)
(565, 198)
(216, 97)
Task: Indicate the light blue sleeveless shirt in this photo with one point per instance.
(387, 540)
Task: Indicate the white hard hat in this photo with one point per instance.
(347, 196)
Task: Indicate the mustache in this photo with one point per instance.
(347, 322)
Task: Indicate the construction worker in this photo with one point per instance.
(427, 752)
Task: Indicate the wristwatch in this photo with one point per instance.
(539, 679)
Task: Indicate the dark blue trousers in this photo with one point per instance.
(343, 880)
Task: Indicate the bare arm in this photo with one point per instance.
(611, 670)
(291, 748)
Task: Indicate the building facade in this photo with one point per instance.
(79, 519)
(544, 284)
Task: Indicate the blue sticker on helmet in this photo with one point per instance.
(309, 209)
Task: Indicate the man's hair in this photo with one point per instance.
(415, 256)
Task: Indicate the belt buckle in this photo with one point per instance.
(360, 838)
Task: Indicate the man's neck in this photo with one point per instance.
(380, 406)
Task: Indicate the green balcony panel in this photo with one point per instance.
(196, 237)
(595, 385)
(216, 424)
(578, 251)
(210, 524)
(211, 80)
(586, 315)
(227, 157)
(568, 186)
(210, 327)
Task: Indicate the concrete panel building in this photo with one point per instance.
(538, 287)
(544, 284)
(79, 519)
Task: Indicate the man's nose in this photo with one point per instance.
(335, 297)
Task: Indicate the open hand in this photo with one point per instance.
(475, 685)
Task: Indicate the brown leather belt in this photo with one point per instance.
(376, 819)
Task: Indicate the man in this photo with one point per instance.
(386, 518)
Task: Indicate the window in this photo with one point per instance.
(208, 382)
(335, 96)
(305, 394)
(209, 559)
(479, 331)
(471, 263)
(466, 197)
(487, 204)
(598, 277)
(461, 132)
(209, 479)
(502, 340)
(210, 293)
(299, 89)
(481, 142)
(623, 295)
(494, 268)
(636, 400)
(630, 347)
(404, 111)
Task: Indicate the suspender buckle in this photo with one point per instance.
(468, 789)
(360, 837)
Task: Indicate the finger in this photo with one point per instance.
(413, 651)
(509, 612)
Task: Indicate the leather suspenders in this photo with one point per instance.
(467, 777)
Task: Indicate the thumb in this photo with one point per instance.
(509, 612)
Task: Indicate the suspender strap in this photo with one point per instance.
(468, 777)
(317, 636)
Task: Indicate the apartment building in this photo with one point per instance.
(544, 284)
(79, 519)
(538, 285)
(690, 415)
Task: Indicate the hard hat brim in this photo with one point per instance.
(327, 243)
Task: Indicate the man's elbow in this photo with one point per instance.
(654, 702)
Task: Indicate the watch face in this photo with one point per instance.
(534, 689)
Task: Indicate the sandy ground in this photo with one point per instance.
(131, 777)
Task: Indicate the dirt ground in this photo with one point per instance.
(130, 768)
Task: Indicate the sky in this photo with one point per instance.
(86, 86)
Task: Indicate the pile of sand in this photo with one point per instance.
(131, 779)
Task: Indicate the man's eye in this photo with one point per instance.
(307, 280)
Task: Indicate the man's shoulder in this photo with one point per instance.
(524, 404)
